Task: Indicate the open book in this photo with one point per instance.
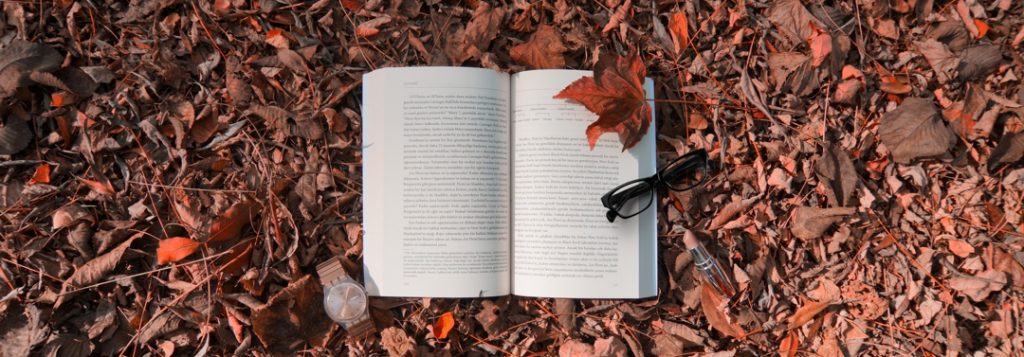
(478, 183)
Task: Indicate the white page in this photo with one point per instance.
(436, 182)
(563, 246)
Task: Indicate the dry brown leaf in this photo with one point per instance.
(730, 211)
(544, 50)
(976, 62)
(230, 224)
(915, 130)
(68, 215)
(943, 62)
(15, 136)
(821, 48)
(293, 60)
(397, 342)
(836, 169)
(811, 222)
(959, 247)
(293, 318)
(575, 348)
(610, 347)
(714, 310)
(1009, 150)
(793, 21)
(22, 327)
(19, 59)
(807, 312)
(979, 287)
(618, 16)
(616, 94)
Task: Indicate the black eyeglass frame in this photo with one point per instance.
(685, 164)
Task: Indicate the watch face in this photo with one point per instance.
(344, 302)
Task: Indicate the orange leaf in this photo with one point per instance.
(444, 325)
(175, 249)
(102, 187)
(821, 47)
(363, 31)
(60, 99)
(276, 38)
(42, 175)
(712, 305)
(789, 344)
(230, 224)
(982, 27)
(680, 31)
(616, 94)
(807, 312)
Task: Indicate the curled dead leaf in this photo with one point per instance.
(543, 50)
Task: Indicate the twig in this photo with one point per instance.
(144, 273)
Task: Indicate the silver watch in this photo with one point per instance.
(345, 300)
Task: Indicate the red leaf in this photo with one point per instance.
(172, 250)
(444, 325)
(230, 224)
(616, 94)
(789, 344)
(42, 175)
(352, 5)
(679, 28)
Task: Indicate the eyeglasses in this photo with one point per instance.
(633, 197)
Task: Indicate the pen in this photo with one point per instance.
(708, 265)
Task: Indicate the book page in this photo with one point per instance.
(436, 180)
(563, 246)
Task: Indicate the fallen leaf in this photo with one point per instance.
(943, 62)
(792, 72)
(293, 318)
(982, 28)
(789, 344)
(894, 85)
(793, 21)
(610, 347)
(490, 318)
(618, 17)
(835, 167)
(734, 208)
(978, 61)
(575, 348)
(443, 326)
(22, 327)
(276, 38)
(397, 342)
(679, 28)
(15, 136)
(19, 59)
(979, 287)
(848, 91)
(544, 50)
(915, 130)
(959, 247)
(811, 222)
(821, 47)
(714, 310)
(565, 309)
(68, 215)
(41, 175)
(229, 225)
(615, 93)
(293, 60)
(104, 188)
(1009, 150)
(173, 250)
(807, 312)
(474, 40)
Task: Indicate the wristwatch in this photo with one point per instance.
(345, 300)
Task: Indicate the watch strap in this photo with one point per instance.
(330, 271)
(361, 329)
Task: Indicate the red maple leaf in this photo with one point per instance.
(616, 94)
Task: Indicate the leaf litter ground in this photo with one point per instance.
(173, 171)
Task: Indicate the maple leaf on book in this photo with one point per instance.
(616, 94)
